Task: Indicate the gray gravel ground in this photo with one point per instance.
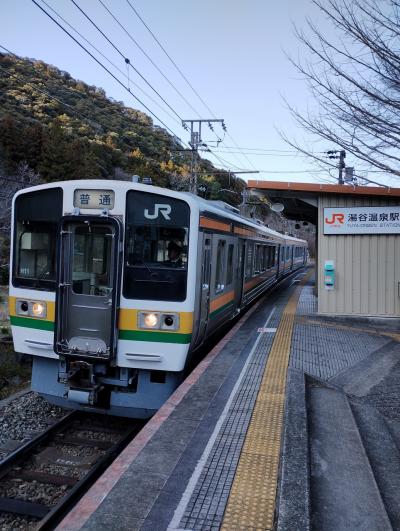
(25, 414)
(11, 522)
(32, 491)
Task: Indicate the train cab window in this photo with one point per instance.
(220, 268)
(156, 247)
(229, 270)
(36, 219)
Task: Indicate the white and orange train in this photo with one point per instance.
(110, 316)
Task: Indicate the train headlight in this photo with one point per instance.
(149, 320)
(39, 309)
(158, 321)
(31, 308)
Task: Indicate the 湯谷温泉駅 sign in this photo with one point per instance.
(362, 220)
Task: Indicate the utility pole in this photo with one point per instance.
(342, 156)
(195, 142)
(332, 154)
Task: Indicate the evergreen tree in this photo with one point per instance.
(55, 164)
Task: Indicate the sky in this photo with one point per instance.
(233, 53)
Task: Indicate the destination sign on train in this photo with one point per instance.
(362, 220)
(94, 199)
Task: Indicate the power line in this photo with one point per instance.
(104, 67)
(222, 160)
(267, 149)
(260, 154)
(186, 79)
(176, 67)
(148, 57)
(290, 171)
(126, 59)
(169, 57)
(110, 62)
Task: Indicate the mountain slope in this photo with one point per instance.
(63, 128)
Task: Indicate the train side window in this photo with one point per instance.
(220, 269)
(264, 263)
(207, 262)
(249, 260)
(229, 272)
(257, 259)
(273, 253)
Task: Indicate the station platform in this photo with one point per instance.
(292, 422)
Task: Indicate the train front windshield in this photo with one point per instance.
(156, 247)
(35, 228)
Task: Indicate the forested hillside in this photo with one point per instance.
(62, 128)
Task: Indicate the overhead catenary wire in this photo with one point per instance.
(148, 57)
(105, 68)
(111, 63)
(169, 57)
(272, 150)
(222, 160)
(260, 154)
(129, 2)
(126, 59)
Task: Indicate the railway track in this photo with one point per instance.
(43, 478)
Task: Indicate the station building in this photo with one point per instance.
(357, 243)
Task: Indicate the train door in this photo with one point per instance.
(205, 289)
(241, 256)
(88, 287)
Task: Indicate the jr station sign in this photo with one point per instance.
(362, 220)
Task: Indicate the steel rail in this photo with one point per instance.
(49, 516)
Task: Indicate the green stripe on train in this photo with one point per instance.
(32, 323)
(132, 335)
(219, 310)
(159, 337)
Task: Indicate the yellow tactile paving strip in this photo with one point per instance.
(251, 503)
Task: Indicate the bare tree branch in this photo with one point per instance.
(354, 77)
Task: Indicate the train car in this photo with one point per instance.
(114, 286)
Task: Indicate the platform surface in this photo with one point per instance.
(291, 422)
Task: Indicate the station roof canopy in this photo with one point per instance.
(300, 200)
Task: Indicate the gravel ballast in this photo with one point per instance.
(27, 413)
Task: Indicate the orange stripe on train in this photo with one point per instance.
(208, 223)
(220, 301)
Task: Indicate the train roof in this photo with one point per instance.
(218, 208)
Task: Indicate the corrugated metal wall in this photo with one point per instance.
(367, 266)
